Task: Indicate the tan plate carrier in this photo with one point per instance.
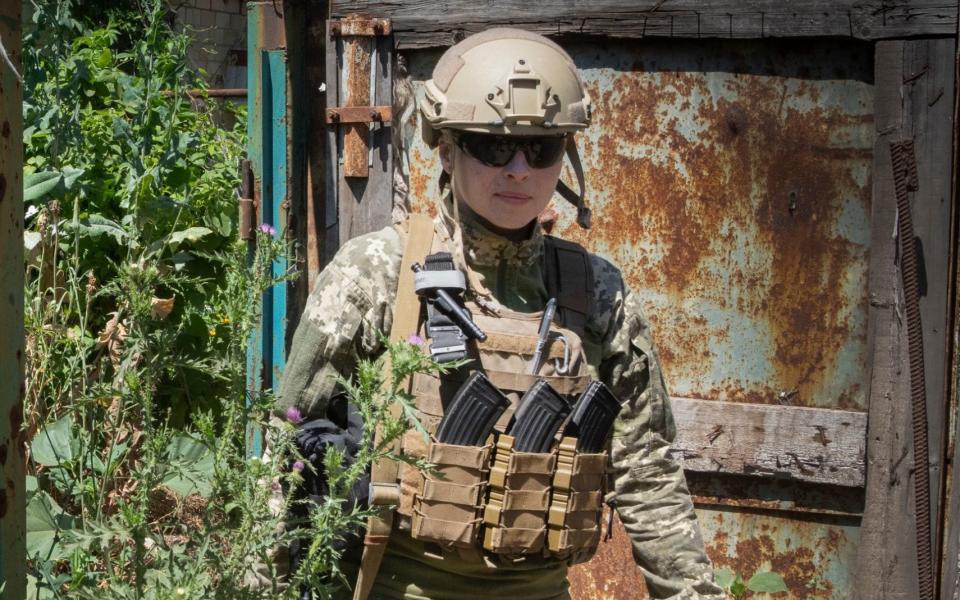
(492, 498)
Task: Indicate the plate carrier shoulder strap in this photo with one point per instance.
(383, 475)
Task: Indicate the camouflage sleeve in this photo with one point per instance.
(349, 306)
(652, 497)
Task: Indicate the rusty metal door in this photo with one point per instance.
(742, 187)
(751, 252)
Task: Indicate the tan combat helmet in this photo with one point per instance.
(510, 82)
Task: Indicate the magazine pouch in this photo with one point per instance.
(516, 510)
(447, 504)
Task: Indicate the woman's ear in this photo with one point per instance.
(446, 155)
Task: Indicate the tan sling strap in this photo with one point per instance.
(384, 490)
(569, 279)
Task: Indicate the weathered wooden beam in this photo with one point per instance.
(357, 205)
(12, 450)
(805, 444)
(928, 106)
(886, 559)
(423, 24)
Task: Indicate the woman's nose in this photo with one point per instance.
(518, 169)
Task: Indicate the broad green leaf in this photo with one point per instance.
(46, 522)
(767, 581)
(97, 225)
(38, 185)
(724, 577)
(190, 465)
(192, 234)
(54, 445)
(70, 175)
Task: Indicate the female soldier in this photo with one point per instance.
(503, 107)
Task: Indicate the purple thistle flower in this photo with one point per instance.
(293, 415)
(415, 339)
(267, 228)
(298, 466)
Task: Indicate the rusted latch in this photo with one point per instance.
(359, 25)
(247, 208)
(359, 114)
(358, 108)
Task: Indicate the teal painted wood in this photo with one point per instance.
(267, 126)
(275, 203)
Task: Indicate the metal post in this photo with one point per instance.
(12, 511)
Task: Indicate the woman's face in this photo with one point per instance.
(508, 197)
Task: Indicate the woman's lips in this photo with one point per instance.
(513, 197)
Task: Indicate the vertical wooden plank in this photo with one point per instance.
(299, 127)
(331, 183)
(315, 99)
(950, 531)
(364, 204)
(928, 91)
(886, 561)
(12, 500)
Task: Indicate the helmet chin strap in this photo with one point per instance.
(583, 213)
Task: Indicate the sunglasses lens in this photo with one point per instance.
(497, 150)
(543, 152)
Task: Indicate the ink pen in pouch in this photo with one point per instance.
(545, 321)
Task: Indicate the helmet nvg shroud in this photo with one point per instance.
(509, 82)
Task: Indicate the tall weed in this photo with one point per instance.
(140, 304)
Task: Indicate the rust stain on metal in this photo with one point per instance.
(683, 203)
(795, 549)
(356, 65)
(612, 573)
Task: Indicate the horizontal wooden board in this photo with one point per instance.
(806, 444)
(424, 24)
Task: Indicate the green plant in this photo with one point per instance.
(760, 582)
(137, 169)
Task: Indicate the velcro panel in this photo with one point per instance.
(454, 493)
(450, 455)
(455, 533)
(521, 382)
(515, 540)
(535, 500)
(532, 463)
(585, 501)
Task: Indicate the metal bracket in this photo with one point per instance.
(357, 39)
(359, 114)
(360, 26)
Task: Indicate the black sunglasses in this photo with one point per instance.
(497, 150)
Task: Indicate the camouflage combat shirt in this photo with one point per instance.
(353, 301)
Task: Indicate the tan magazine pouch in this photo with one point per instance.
(447, 504)
(574, 516)
(516, 511)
